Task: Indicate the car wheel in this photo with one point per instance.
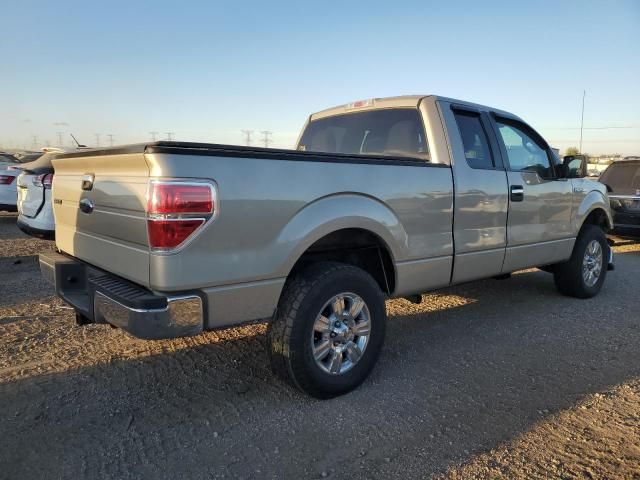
(328, 329)
(584, 273)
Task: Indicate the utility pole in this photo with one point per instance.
(169, 136)
(35, 142)
(266, 134)
(153, 136)
(584, 92)
(110, 139)
(59, 138)
(247, 136)
(97, 139)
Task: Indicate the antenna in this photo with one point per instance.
(247, 136)
(153, 136)
(584, 92)
(265, 137)
(77, 142)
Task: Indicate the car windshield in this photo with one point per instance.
(389, 132)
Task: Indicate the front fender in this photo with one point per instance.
(592, 201)
(337, 212)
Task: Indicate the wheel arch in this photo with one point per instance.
(594, 210)
(347, 228)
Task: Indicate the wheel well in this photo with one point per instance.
(597, 217)
(353, 246)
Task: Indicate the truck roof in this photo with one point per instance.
(402, 101)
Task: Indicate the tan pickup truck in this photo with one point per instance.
(382, 198)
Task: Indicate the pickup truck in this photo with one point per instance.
(382, 198)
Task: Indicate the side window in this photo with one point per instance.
(474, 140)
(525, 153)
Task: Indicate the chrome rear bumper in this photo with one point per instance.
(105, 298)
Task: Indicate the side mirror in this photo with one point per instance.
(574, 166)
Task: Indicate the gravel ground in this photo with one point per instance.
(496, 379)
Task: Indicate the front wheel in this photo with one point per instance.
(584, 273)
(328, 329)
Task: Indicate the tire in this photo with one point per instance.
(569, 276)
(297, 333)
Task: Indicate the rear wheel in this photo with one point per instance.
(584, 273)
(328, 330)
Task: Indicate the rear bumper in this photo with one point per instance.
(36, 232)
(106, 298)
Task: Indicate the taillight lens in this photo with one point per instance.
(177, 198)
(164, 234)
(43, 180)
(175, 210)
(6, 179)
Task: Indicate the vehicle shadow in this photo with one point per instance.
(451, 382)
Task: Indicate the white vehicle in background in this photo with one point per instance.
(8, 192)
(35, 212)
(596, 166)
(10, 168)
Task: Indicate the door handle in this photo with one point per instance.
(517, 193)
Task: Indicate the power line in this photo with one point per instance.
(170, 135)
(247, 136)
(265, 137)
(153, 136)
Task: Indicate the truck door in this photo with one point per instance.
(481, 198)
(540, 203)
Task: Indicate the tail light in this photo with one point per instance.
(44, 180)
(6, 179)
(176, 210)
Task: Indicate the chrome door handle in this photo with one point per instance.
(517, 193)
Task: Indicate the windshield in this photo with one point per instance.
(389, 132)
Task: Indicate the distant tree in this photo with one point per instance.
(572, 151)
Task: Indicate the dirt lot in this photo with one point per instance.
(497, 379)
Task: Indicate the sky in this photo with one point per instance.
(207, 70)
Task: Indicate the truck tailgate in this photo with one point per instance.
(99, 206)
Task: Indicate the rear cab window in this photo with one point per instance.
(394, 132)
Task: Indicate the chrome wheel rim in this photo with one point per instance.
(341, 333)
(592, 263)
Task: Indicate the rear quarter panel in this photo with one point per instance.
(271, 211)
